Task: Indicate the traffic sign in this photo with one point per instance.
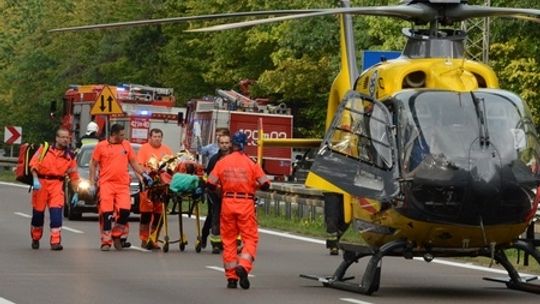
(12, 135)
(106, 103)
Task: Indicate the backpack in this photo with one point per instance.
(23, 171)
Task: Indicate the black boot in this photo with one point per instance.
(243, 276)
(125, 243)
(232, 283)
(57, 247)
(35, 244)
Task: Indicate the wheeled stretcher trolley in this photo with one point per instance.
(183, 203)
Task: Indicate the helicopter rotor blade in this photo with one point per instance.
(463, 12)
(410, 12)
(178, 20)
(416, 12)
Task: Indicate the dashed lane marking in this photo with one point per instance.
(22, 214)
(220, 269)
(14, 185)
(4, 301)
(63, 227)
(139, 249)
(72, 230)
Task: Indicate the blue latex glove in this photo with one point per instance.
(36, 185)
(148, 181)
(75, 198)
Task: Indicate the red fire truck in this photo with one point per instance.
(239, 113)
(142, 107)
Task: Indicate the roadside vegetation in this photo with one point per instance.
(7, 175)
(292, 62)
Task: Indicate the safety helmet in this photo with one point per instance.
(239, 139)
(91, 127)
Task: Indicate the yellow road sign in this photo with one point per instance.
(106, 103)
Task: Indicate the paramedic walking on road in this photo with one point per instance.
(112, 157)
(238, 176)
(149, 207)
(49, 168)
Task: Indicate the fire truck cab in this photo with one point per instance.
(143, 108)
(236, 112)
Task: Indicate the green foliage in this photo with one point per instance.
(293, 62)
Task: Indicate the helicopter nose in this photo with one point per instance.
(485, 175)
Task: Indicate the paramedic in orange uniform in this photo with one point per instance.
(238, 176)
(112, 157)
(48, 185)
(150, 210)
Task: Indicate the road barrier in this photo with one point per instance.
(8, 161)
(286, 199)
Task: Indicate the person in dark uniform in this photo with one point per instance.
(211, 224)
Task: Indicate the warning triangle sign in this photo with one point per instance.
(106, 103)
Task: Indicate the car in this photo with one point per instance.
(82, 202)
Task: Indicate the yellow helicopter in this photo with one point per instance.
(423, 155)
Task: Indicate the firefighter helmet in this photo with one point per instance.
(91, 128)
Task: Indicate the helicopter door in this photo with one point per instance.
(358, 154)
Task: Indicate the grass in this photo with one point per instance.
(6, 175)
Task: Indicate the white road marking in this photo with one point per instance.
(14, 185)
(216, 268)
(350, 300)
(220, 269)
(72, 230)
(63, 227)
(292, 236)
(22, 214)
(139, 249)
(4, 301)
(470, 266)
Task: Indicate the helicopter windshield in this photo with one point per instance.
(448, 126)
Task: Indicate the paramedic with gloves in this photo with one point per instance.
(49, 168)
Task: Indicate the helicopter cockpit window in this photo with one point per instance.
(444, 128)
(435, 125)
(510, 127)
(363, 133)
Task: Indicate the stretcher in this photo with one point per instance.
(184, 203)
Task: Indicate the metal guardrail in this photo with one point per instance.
(286, 199)
(8, 161)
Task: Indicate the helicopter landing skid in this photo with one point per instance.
(372, 275)
(514, 280)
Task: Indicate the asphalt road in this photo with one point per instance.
(81, 273)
